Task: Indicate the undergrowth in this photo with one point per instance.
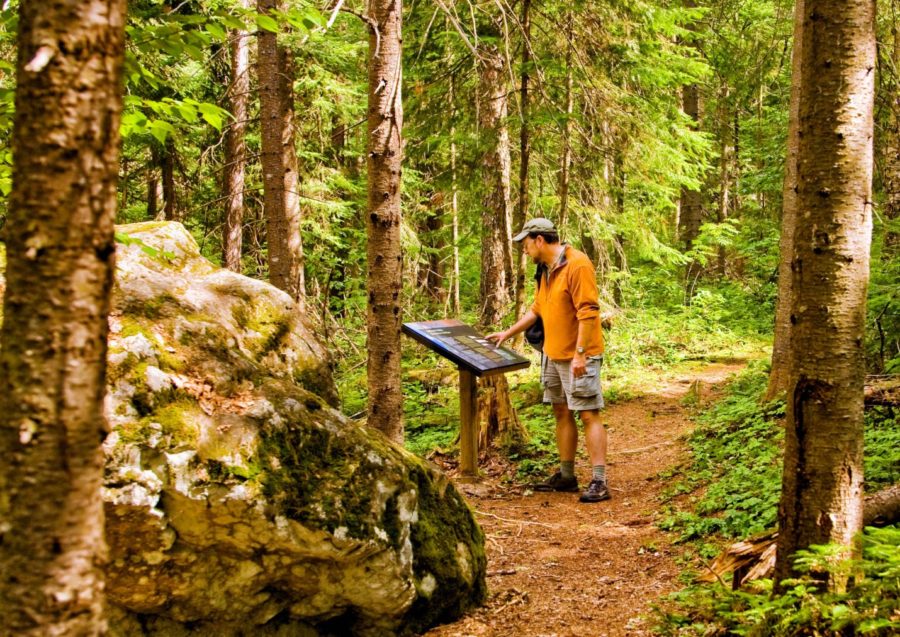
(730, 490)
(870, 606)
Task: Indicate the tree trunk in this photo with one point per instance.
(385, 258)
(891, 160)
(619, 261)
(725, 173)
(495, 238)
(779, 377)
(278, 157)
(235, 148)
(59, 276)
(434, 281)
(521, 213)
(566, 162)
(821, 498)
(497, 417)
(454, 205)
(170, 203)
(152, 187)
(691, 206)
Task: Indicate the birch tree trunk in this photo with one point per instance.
(53, 339)
(385, 257)
(278, 157)
(235, 148)
(779, 377)
(821, 497)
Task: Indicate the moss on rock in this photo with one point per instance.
(259, 507)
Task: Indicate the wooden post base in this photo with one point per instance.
(468, 434)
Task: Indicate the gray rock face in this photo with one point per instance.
(238, 500)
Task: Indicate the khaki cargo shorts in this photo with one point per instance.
(583, 394)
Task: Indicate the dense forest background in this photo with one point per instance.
(653, 133)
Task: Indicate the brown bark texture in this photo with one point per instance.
(496, 280)
(891, 161)
(170, 197)
(780, 374)
(496, 416)
(821, 498)
(235, 148)
(691, 203)
(278, 157)
(384, 253)
(59, 275)
(566, 160)
(521, 211)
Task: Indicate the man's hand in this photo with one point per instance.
(578, 365)
(497, 338)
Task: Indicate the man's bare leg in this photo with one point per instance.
(594, 436)
(566, 432)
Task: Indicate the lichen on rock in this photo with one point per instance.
(238, 499)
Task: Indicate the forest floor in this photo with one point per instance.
(560, 568)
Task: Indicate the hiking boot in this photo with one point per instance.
(556, 482)
(597, 491)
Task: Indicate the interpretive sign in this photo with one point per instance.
(475, 356)
(464, 346)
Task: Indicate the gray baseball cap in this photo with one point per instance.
(538, 224)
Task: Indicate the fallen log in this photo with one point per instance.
(882, 390)
(754, 558)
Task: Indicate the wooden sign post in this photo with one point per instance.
(475, 356)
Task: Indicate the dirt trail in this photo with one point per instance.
(559, 568)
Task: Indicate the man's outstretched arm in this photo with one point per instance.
(521, 325)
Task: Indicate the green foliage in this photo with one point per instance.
(736, 460)
(870, 605)
(734, 475)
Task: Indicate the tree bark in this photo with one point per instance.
(59, 277)
(779, 377)
(235, 148)
(435, 279)
(566, 161)
(521, 213)
(691, 208)
(891, 160)
(726, 158)
(454, 204)
(385, 257)
(497, 417)
(152, 187)
(496, 282)
(821, 498)
(170, 198)
(278, 156)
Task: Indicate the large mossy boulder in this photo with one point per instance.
(238, 500)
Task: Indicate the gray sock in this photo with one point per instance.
(567, 468)
(600, 472)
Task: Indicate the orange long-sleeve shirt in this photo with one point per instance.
(564, 297)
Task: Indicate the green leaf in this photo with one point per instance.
(212, 115)
(161, 129)
(216, 30)
(187, 112)
(266, 23)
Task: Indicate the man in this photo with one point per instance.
(567, 301)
